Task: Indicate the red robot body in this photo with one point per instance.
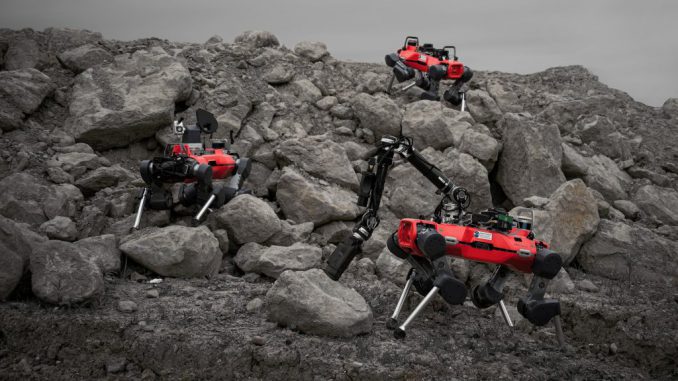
(513, 249)
(222, 163)
(420, 61)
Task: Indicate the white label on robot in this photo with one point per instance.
(483, 235)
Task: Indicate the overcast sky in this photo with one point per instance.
(630, 45)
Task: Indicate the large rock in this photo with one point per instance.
(660, 203)
(115, 104)
(392, 268)
(272, 261)
(278, 75)
(12, 266)
(61, 39)
(530, 162)
(61, 228)
(103, 251)
(303, 200)
(248, 219)
(573, 164)
(482, 107)
(320, 157)
(621, 251)
(17, 242)
(291, 233)
(306, 91)
(26, 199)
(62, 274)
(568, 220)
(429, 124)
(23, 53)
(21, 93)
(377, 113)
(257, 38)
(84, 57)
(103, 177)
(312, 50)
(604, 175)
(411, 195)
(481, 146)
(313, 303)
(175, 251)
(600, 133)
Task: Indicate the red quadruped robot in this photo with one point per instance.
(491, 236)
(196, 166)
(428, 66)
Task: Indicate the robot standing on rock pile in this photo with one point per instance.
(192, 163)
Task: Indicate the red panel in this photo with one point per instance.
(503, 250)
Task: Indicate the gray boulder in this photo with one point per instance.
(247, 218)
(600, 133)
(530, 162)
(604, 175)
(568, 220)
(103, 177)
(392, 268)
(482, 107)
(17, 242)
(411, 195)
(175, 251)
(61, 39)
(660, 203)
(312, 50)
(290, 234)
(320, 157)
(313, 303)
(257, 38)
(573, 164)
(429, 124)
(670, 107)
(481, 146)
(24, 198)
(306, 91)
(371, 82)
(335, 232)
(630, 210)
(62, 274)
(278, 75)
(303, 200)
(75, 161)
(61, 228)
(377, 113)
(103, 251)
(84, 57)
(272, 261)
(621, 251)
(21, 93)
(12, 265)
(326, 103)
(23, 53)
(129, 99)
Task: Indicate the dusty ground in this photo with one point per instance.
(201, 329)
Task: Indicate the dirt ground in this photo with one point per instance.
(201, 329)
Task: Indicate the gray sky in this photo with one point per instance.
(630, 45)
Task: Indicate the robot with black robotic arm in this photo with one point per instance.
(490, 237)
(195, 165)
(428, 66)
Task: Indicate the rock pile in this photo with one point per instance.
(78, 112)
